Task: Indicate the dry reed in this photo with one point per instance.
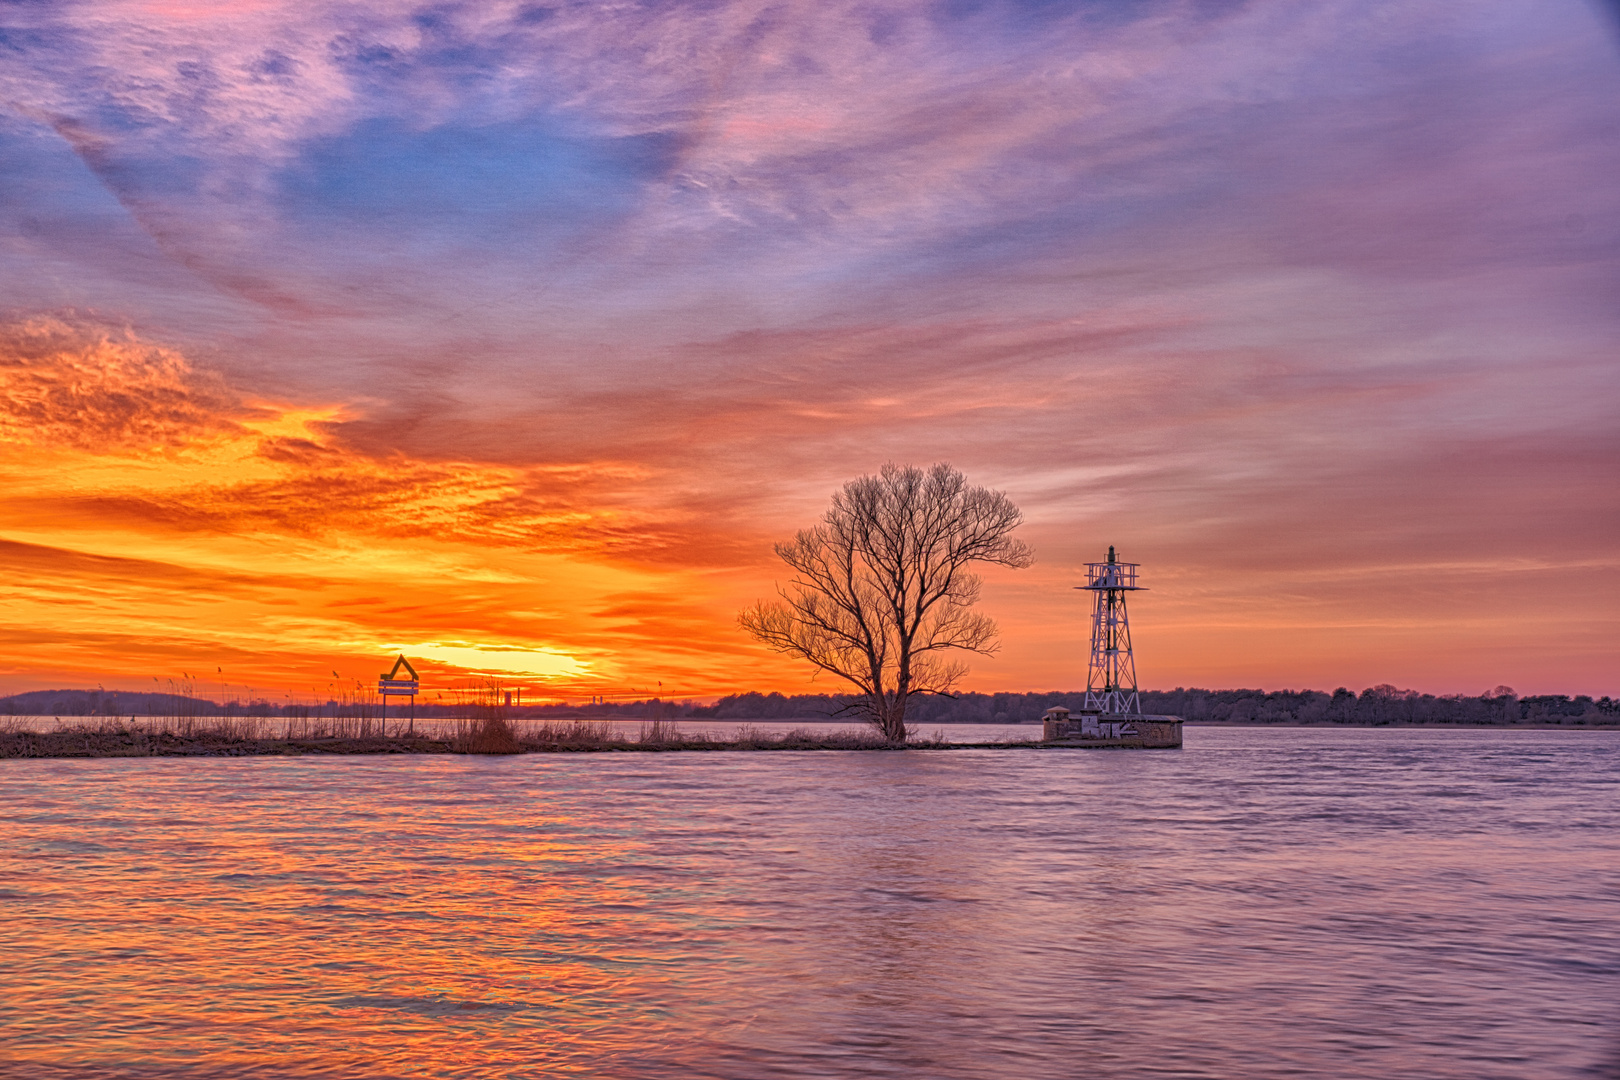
(490, 735)
(571, 735)
(199, 735)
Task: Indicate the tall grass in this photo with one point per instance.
(662, 734)
(490, 735)
(658, 732)
(571, 735)
(749, 737)
(156, 732)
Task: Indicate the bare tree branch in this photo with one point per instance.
(881, 588)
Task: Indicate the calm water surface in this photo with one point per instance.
(1264, 903)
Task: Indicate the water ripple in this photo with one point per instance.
(1265, 903)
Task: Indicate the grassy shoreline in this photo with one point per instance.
(225, 738)
(109, 740)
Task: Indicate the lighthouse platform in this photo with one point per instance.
(1059, 727)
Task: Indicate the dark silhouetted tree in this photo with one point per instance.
(882, 594)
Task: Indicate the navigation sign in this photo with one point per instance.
(390, 685)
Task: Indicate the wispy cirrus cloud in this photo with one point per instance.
(788, 142)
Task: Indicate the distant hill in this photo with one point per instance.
(103, 703)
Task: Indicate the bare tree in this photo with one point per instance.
(882, 594)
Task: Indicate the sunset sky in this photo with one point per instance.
(512, 336)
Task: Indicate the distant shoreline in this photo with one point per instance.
(417, 748)
(483, 738)
(359, 712)
(110, 741)
(1574, 725)
(1599, 722)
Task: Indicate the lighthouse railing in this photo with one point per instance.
(1105, 575)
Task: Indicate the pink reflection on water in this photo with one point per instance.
(1264, 903)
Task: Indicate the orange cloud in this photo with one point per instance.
(70, 384)
(158, 521)
(161, 519)
(524, 336)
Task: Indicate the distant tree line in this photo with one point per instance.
(125, 703)
(1379, 706)
(1374, 707)
(361, 703)
(142, 704)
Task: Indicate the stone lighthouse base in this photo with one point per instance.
(1060, 728)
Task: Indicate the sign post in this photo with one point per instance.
(391, 686)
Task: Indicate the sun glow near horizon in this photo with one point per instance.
(489, 659)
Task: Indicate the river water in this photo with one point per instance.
(1264, 903)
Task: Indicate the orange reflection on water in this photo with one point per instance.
(291, 933)
(1265, 903)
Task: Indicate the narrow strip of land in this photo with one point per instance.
(109, 740)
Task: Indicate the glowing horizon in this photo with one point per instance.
(515, 336)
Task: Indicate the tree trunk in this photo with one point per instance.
(894, 720)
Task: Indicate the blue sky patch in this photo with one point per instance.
(476, 181)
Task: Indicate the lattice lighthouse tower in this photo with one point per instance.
(1111, 675)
